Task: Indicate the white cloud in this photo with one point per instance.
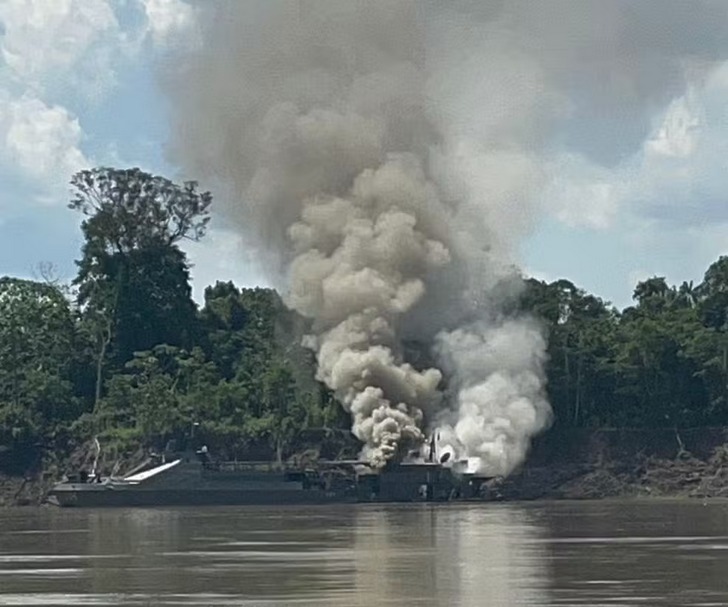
(57, 55)
(676, 177)
(51, 44)
(41, 141)
(168, 18)
(677, 135)
(668, 202)
(52, 52)
(682, 176)
(582, 194)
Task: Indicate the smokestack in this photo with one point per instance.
(385, 159)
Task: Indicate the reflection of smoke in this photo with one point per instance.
(502, 558)
(384, 158)
(115, 533)
(463, 556)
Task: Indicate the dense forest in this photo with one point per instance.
(125, 354)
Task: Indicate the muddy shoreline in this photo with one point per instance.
(575, 464)
(685, 476)
(581, 464)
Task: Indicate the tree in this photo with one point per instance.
(133, 280)
(158, 395)
(153, 301)
(579, 327)
(713, 309)
(653, 292)
(687, 295)
(129, 209)
(713, 293)
(36, 353)
(281, 406)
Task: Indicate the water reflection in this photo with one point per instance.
(658, 553)
(241, 554)
(134, 542)
(445, 556)
(617, 554)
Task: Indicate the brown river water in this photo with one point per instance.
(548, 553)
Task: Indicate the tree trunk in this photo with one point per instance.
(725, 372)
(279, 451)
(577, 400)
(104, 339)
(567, 370)
(16, 373)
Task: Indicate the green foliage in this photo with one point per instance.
(133, 361)
(663, 362)
(237, 384)
(37, 336)
(133, 280)
(129, 209)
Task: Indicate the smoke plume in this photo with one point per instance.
(385, 160)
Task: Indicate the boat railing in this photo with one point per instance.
(246, 466)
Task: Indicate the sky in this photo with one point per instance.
(79, 88)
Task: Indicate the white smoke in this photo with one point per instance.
(385, 158)
(497, 373)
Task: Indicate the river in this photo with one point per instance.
(552, 553)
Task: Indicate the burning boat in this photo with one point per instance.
(193, 479)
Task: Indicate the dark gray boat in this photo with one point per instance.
(193, 479)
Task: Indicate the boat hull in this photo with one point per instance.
(184, 482)
(103, 497)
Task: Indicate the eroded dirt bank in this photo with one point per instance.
(575, 464)
(579, 464)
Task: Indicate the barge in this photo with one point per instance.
(193, 479)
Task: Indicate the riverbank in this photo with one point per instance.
(574, 464)
(601, 464)
(685, 476)
(30, 490)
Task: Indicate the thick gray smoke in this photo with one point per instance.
(385, 158)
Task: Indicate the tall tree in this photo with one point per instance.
(133, 280)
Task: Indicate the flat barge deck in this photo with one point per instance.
(195, 481)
